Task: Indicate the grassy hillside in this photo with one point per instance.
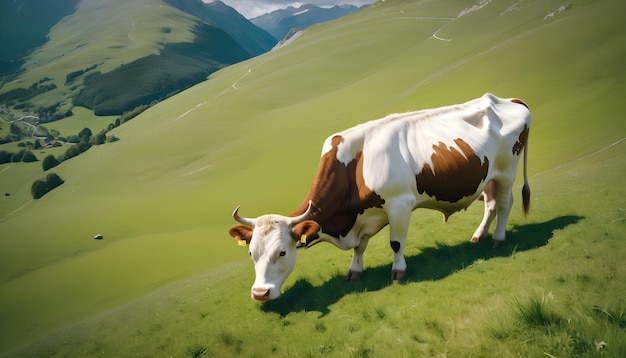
(251, 136)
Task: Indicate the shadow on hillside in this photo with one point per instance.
(433, 263)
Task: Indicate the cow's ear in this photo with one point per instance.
(305, 232)
(241, 233)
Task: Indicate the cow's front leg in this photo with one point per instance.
(399, 216)
(356, 268)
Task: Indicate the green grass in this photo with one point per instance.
(82, 118)
(545, 291)
(168, 280)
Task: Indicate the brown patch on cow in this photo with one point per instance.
(517, 100)
(521, 141)
(454, 174)
(339, 193)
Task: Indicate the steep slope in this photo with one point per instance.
(157, 76)
(278, 23)
(251, 135)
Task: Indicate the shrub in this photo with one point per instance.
(49, 162)
(536, 313)
(127, 116)
(112, 139)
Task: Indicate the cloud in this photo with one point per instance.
(254, 8)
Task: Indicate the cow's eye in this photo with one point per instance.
(250, 253)
(282, 253)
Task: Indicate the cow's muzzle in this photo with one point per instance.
(261, 293)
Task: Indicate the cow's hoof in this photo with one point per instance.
(353, 275)
(496, 243)
(397, 275)
(474, 239)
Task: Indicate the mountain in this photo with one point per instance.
(278, 23)
(112, 58)
(24, 25)
(249, 36)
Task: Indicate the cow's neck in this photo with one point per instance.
(338, 193)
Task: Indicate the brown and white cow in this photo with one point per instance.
(377, 173)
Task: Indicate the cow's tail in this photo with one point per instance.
(526, 187)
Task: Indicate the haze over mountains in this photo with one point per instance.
(278, 23)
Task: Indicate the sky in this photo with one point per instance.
(254, 8)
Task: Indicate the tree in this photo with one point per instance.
(5, 156)
(38, 189)
(29, 157)
(100, 138)
(17, 157)
(83, 146)
(53, 180)
(15, 129)
(71, 152)
(42, 187)
(85, 135)
(49, 162)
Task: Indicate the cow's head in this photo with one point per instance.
(273, 240)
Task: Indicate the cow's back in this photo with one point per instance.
(440, 155)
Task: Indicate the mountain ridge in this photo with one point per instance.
(280, 22)
(218, 14)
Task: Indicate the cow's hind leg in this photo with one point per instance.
(399, 214)
(504, 203)
(489, 197)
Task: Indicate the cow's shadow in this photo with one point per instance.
(433, 263)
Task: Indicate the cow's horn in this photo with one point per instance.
(241, 219)
(304, 216)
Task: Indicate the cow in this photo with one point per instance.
(376, 173)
